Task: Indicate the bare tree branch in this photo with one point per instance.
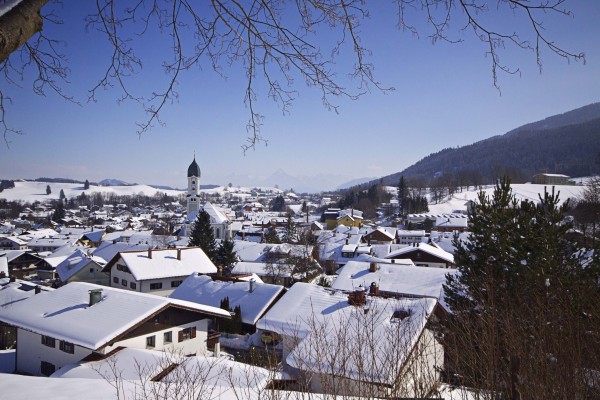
(275, 42)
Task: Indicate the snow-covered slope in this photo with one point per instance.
(36, 191)
(523, 191)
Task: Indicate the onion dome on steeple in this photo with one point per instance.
(193, 169)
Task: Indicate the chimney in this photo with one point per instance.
(252, 284)
(374, 289)
(150, 253)
(95, 296)
(37, 289)
(358, 297)
(179, 254)
(346, 241)
(393, 261)
(373, 267)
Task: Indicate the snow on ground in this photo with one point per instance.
(36, 191)
(523, 191)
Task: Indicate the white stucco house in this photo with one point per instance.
(81, 321)
(82, 267)
(156, 271)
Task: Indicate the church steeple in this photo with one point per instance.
(193, 176)
(194, 169)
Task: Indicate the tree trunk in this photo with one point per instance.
(18, 25)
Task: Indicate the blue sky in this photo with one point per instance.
(444, 97)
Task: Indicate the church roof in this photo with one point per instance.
(194, 169)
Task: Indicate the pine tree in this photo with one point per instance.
(226, 256)
(203, 236)
(86, 185)
(278, 204)
(59, 212)
(62, 195)
(271, 236)
(48, 190)
(402, 196)
(520, 301)
(289, 233)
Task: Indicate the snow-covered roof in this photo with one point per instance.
(203, 290)
(427, 248)
(14, 292)
(65, 313)
(158, 264)
(333, 335)
(262, 269)
(404, 279)
(107, 250)
(140, 364)
(75, 263)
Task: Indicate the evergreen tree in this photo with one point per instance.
(62, 195)
(271, 236)
(59, 212)
(86, 185)
(278, 204)
(203, 235)
(402, 196)
(289, 233)
(226, 256)
(521, 302)
(48, 190)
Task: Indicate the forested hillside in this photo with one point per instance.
(565, 144)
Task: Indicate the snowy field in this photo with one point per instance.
(36, 191)
(523, 191)
(30, 191)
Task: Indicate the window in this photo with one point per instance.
(123, 282)
(187, 333)
(48, 341)
(91, 270)
(67, 347)
(47, 368)
(115, 280)
(156, 286)
(123, 268)
(132, 285)
(168, 337)
(176, 283)
(151, 341)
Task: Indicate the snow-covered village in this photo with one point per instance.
(234, 292)
(309, 199)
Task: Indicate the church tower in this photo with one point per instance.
(193, 192)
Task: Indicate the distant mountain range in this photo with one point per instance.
(567, 144)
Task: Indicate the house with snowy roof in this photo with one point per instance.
(425, 255)
(81, 321)
(219, 221)
(12, 243)
(350, 217)
(380, 235)
(411, 236)
(254, 298)
(82, 267)
(156, 271)
(13, 291)
(22, 264)
(454, 223)
(354, 344)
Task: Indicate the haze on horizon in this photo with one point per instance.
(444, 97)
